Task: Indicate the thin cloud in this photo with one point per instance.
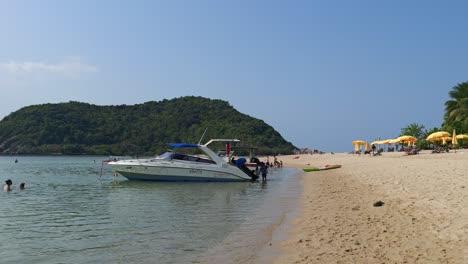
(69, 68)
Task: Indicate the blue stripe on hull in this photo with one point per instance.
(146, 177)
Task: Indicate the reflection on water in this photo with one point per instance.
(68, 214)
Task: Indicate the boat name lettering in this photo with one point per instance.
(195, 171)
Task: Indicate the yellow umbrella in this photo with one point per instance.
(404, 137)
(439, 139)
(445, 139)
(462, 136)
(407, 138)
(358, 143)
(410, 140)
(437, 136)
(387, 141)
(454, 138)
(396, 140)
(367, 147)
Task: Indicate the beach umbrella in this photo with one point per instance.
(462, 137)
(454, 138)
(445, 139)
(395, 140)
(357, 144)
(405, 139)
(410, 140)
(367, 147)
(387, 141)
(437, 136)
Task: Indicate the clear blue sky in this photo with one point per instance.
(322, 73)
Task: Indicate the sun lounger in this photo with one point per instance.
(440, 149)
(413, 151)
(378, 153)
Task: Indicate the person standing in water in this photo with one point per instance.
(263, 171)
(7, 185)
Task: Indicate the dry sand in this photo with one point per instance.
(424, 218)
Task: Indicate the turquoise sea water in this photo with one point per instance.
(69, 214)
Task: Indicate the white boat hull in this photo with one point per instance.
(184, 171)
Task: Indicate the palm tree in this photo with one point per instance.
(415, 130)
(456, 110)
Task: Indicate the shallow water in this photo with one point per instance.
(69, 214)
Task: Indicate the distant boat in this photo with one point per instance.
(175, 166)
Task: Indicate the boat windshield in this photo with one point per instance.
(167, 156)
(179, 156)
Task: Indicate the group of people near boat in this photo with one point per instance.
(9, 183)
(262, 168)
(276, 163)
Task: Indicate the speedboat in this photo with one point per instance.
(175, 166)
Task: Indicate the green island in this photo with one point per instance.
(77, 128)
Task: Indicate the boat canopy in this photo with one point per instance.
(183, 145)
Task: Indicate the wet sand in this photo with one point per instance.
(424, 218)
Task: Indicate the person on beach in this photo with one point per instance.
(21, 186)
(7, 186)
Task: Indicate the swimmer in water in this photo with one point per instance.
(7, 185)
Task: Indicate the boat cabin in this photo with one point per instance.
(178, 156)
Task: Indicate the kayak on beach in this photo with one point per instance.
(326, 167)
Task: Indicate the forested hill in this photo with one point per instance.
(143, 129)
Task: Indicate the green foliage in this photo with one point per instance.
(416, 130)
(455, 117)
(143, 129)
(456, 109)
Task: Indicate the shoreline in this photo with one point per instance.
(421, 220)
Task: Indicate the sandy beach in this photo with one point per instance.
(423, 219)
